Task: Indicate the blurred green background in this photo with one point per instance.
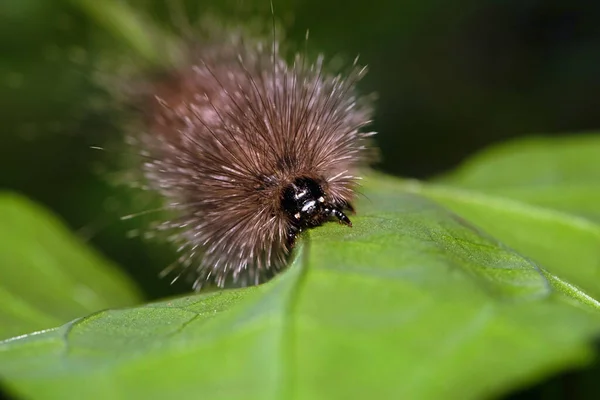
(451, 77)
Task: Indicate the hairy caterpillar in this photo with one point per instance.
(250, 150)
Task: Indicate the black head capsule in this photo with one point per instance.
(304, 202)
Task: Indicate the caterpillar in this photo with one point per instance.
(250, 150)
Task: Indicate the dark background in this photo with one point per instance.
(451, 77)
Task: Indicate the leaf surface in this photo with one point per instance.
(562, 173)
(47, 277)
(540, 196)
(412, 302)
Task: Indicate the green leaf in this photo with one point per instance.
(46, 276)
(562, 173)
(412, 302)
(529, 194)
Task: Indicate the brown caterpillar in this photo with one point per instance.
(250, 151)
